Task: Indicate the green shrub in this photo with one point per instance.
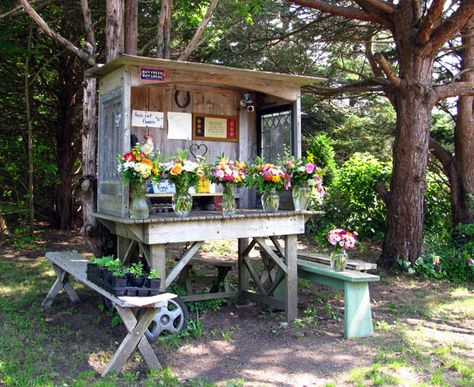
(352, 202)
(323, 152)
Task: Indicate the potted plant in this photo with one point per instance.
(153, 280)
(136, 275)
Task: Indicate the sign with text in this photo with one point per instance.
(144, 118)
(215, 128)
(152, 74)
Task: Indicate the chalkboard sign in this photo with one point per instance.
(152, 74)
(215, 128)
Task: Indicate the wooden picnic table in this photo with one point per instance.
(250, 227)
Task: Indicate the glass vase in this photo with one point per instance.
(182, 201)
(301, 195)
(228, 200)
(270, 201)
(339, 259)
(138, 205)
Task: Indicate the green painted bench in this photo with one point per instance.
(357, 311)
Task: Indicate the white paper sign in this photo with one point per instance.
(144, 118)
(180, 126)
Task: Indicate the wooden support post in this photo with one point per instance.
(357, 311)
(156, 258)
(291, 286)
(144, 346)
(130, 342)
(62, 282)
(244, 274)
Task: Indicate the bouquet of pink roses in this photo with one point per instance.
(227, 171)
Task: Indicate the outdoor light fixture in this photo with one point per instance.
(247, 102)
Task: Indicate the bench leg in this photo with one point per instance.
(357, 311)
(62, 282)
(134, 338)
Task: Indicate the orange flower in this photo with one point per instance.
(177, 169)
(147, 161)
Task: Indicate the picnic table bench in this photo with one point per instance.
(357, 310)
(66, 264)
(352, 264)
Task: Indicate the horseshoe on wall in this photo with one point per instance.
(187, 101)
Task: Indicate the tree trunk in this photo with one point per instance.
(164, 30)
(31, 198)
(413, 104)
(462, 199)
(114, 30)
(131, 26)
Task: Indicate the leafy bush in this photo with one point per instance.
(445, 258)
(322, 151)
(352, 202)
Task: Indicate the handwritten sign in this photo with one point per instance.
(144, 118)
(152, 74)
(215, 128)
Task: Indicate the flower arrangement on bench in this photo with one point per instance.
(109, 273)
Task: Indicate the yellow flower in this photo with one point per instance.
(156, 170)
(276, 179)
(177, 169)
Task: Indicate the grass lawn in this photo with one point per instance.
(424, 336)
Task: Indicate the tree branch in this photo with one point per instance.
(388, 71)
(86, 56)
(373, 84)
(383, 192)
(379, 5)
(444, 156)
(16, 9)
(429, 21)
(88, 26)
(347, 12)
(450, 26)
(197, 35)
(452, 90)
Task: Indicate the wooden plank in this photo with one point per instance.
(297, 127)
(357, 311)
(210, 296)
(347, 275)
(273, 256)
(144, 346)
(214, 262)
(352, 264)
(55, 289)
(129, 343)
(157, 301)
(291, 286)
(157, 260)
(182, 263)
(254, 275)
(272, 301)
(244, 275)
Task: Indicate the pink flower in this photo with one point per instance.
(309, 168)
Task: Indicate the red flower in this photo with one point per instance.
(129, 156)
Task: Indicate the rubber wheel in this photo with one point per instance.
(169, 320)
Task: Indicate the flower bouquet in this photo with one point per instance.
(184, 174)
(304, 177)
(229, 174)
(268, 179)
(342, 240)
(136, 167)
